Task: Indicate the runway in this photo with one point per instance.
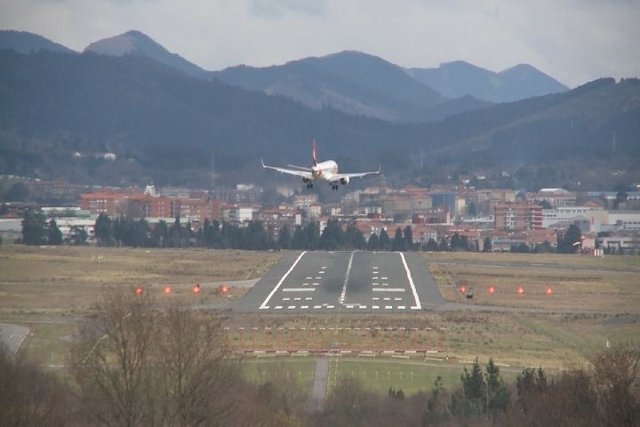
(356, 281)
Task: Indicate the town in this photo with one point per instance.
(440, 218)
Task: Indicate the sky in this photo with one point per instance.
(574, 41)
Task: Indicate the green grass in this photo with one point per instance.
(286, 370)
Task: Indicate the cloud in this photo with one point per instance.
(572, 40)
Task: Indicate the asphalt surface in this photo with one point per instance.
(345, 282)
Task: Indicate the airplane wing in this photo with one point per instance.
(303, 173)
(355, 175)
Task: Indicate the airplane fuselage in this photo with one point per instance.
(324, 171)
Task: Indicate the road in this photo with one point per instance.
(349, 281)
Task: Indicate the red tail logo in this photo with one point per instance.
(314, 152)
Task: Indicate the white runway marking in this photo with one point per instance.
(286, 299)
(315, 284)
(343, 295)
(375, 307)
(282, 279)
(298, 289)
(418, 306)
(402, 307)
(317, 306)
(318, 277)
(304, 307)
(389, 290)
(308, 278)
(278, 307)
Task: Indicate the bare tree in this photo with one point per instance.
(112, 363)
(616, 381)
(29, 396)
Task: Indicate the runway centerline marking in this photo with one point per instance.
(389, 290)
(343, 295)
(298, 289)
(282, 279)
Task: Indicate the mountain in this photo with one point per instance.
(169, 128)
(352, 82)
(459, 78)
(139, 44)
(25, 42)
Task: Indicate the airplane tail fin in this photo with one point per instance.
(314, 152)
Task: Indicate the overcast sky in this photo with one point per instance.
(574, 41)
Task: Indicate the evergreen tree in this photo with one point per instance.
(285, 240)
(408, 238)
(398, 240)
(353, 238)
(54, 235)
(374, 242)
(312, 234)
(332, 236)
(34, 228)
(567, 243)
(431, 245)
(471, 400)
(487, 247)
(497, 392)
(443, 246)
(299, 238)
(104, 230)
(385, 242)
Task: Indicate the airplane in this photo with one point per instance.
(320, 171)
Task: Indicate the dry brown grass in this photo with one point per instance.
(69, 279)
(575, 287)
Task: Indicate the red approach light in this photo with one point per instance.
(224, 289)
(138, 291)
(167, 290)
(196, 289)
(549, 291)
(491, 290)
(520, 290)
(463, 289)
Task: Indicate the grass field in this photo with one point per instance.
(594, 301)
(570, 283)
(68, 280)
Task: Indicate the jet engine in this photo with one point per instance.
(344, 180)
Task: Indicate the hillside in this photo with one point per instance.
(351, 82)
(25, 42)
(166, 127)
(139, 44)
(459, 78)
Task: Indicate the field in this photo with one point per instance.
(556, 283)
(594, 302)
(68, 280)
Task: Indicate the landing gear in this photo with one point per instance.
(334, 187)
(309, 185)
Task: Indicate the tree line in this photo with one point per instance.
(125, 231)
(137, 362)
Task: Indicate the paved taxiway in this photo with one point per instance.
(355, 281)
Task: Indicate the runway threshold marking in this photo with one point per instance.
(264, 305)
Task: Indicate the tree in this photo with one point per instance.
(34, 229)
(567, 243)
(431, 245)
(471, 400)
(408, 238)
(487, 246)
(78, 235)
(497, 392)
(285, 240)
(374, 242)
(17, 193)
(385, 242)
(353, 238)
(398, 240)
(104, 230)
(617, 384)
(54, 235)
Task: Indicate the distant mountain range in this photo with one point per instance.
(25, 42)
(170, 127)
(352, 82)
(460, 78)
